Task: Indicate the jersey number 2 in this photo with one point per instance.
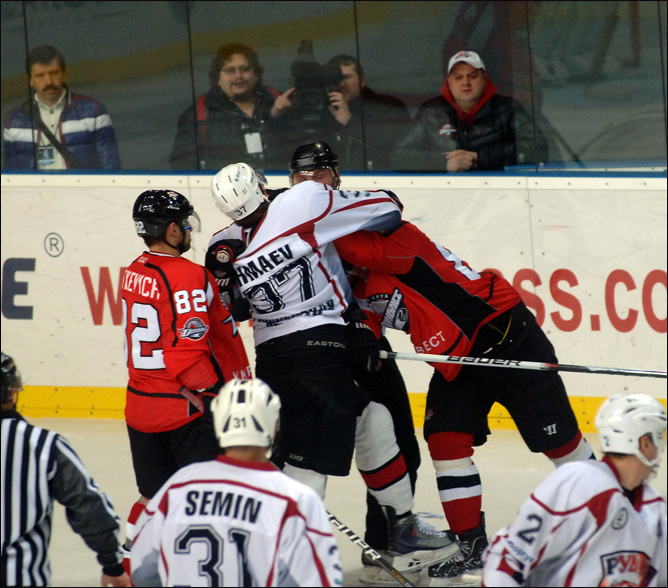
(146, 330)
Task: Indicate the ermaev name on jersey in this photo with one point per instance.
(262, 264)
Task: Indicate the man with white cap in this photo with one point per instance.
(594, 523)
(469, 126)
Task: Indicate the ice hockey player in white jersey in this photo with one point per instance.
(593, 523)
(237, 520)
(310, 340)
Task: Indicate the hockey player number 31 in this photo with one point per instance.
(211, 567)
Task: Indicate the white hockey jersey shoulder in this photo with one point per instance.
(290, 271)
(579, 528)
(232, 523)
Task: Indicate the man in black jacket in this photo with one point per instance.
(232, 119)
(365, 127)
(470, 126)
(370, 124)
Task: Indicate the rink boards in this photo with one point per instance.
(588, 255)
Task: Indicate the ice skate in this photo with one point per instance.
(465, 568)
(413, 545)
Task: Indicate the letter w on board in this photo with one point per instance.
(106, 291)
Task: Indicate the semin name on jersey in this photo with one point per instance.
(219, 503)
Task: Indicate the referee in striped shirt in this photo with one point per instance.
(38, 466)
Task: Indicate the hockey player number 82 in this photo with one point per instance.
(150, 332)
(211, 566)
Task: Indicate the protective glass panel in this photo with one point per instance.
(127, 68)
(598, 80)
(288, 44)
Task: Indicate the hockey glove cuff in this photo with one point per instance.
(364, 349)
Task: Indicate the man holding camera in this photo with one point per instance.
(333, 102)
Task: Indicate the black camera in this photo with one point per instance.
(312, 81)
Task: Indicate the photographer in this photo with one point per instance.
(332, 102)
(231, 122)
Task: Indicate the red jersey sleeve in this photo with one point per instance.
(391, 254)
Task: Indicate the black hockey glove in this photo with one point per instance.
(207, 396)
(219, 261)
(364, 350)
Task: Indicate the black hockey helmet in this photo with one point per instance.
(10, 378)
(314, 156)
(154, 210)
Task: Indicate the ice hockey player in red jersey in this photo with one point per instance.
(237, 520)
(594, 523)
(307, 337)
(449, 308)
(180, 341)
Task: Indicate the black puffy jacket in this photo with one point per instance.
(502, 133)
(221, 134)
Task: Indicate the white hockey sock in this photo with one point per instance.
(312, 479)
(581, 452)
(379, 459)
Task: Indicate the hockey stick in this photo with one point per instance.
(195, 400)
(522, 365)
(369, 551)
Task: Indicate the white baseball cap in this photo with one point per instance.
(469, 57)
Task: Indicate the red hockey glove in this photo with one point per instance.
(219, 261)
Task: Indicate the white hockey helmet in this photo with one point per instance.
(236, 190)
(624, 418)
(245, 412)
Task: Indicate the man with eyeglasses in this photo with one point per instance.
(232, 121)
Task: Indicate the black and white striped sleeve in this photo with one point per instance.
(89, 511)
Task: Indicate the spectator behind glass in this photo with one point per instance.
(232, 119)
(470, 126)
(82, 135)
(364, 126)
(371, 124)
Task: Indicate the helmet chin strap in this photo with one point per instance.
(181, 246)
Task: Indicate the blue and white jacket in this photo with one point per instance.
(85, 129)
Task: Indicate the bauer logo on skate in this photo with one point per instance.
(193, 329)
(626, 568)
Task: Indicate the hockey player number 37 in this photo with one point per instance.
(266, 297)
(212, 566)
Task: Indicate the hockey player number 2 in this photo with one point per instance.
(211, 567)
(147, 331)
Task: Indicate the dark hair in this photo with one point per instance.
(225, 53)
(43, 54)
(347, 60)
(150, 241)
